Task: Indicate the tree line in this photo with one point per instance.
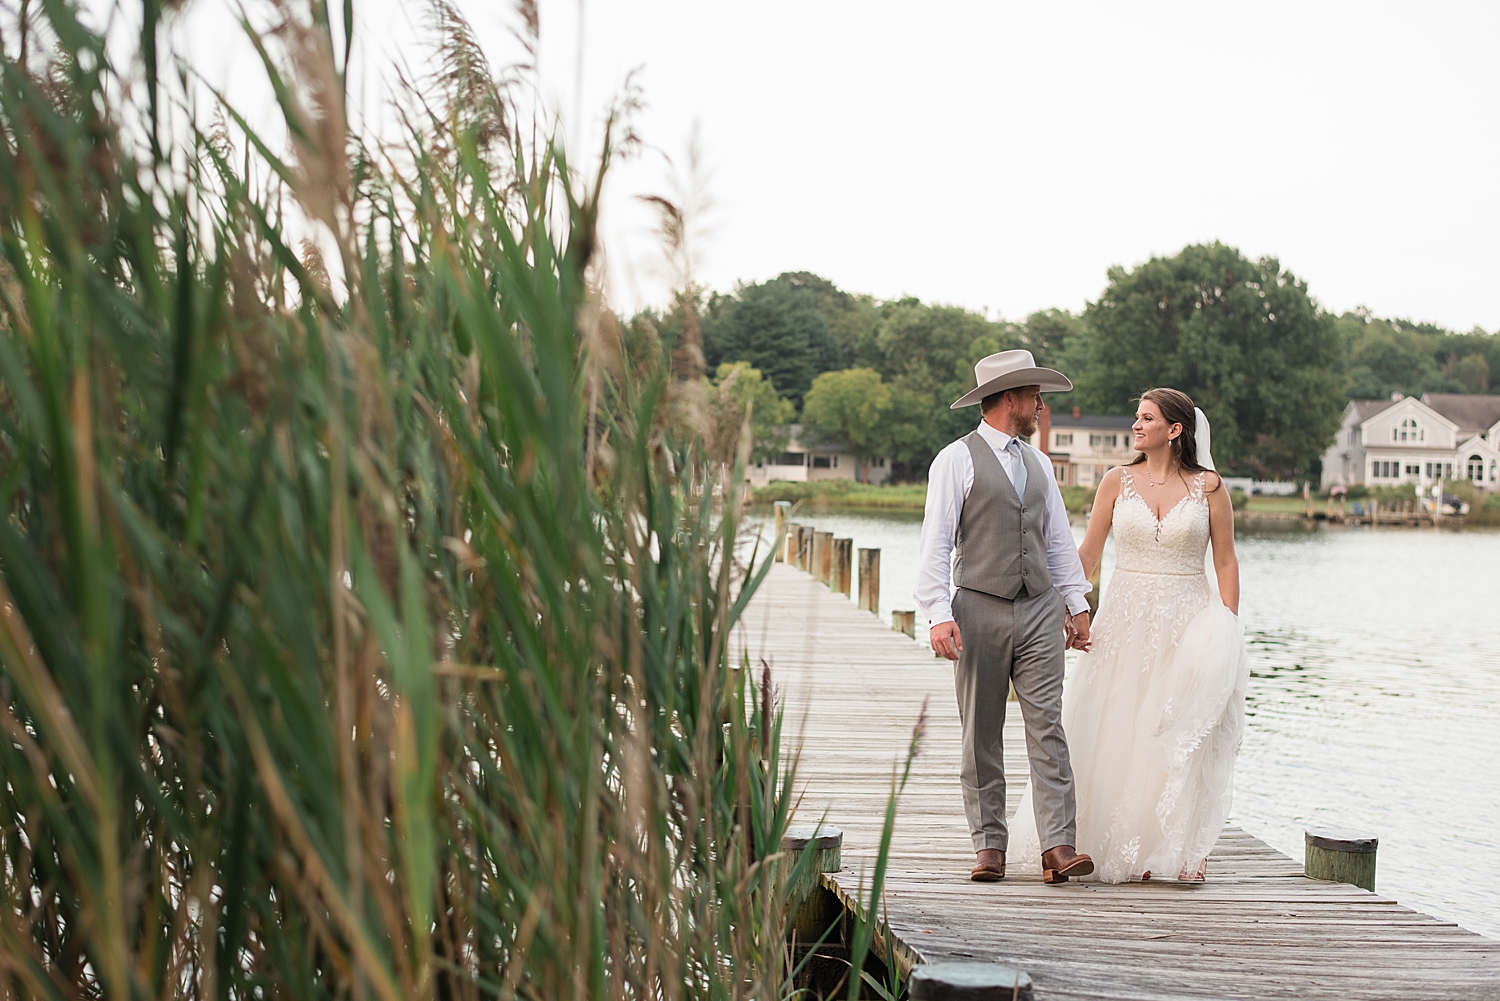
(1271, 368)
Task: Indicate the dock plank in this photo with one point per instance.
(853, 690)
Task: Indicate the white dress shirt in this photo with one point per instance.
(948, 484)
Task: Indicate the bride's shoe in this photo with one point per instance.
(1195, 877)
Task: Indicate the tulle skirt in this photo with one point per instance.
(1154, 714)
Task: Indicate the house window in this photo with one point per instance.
(1448, 470)
(1409, 431)
(1059, 440)
(835, 462)
(1476, 468)
(821, 462)
(791, 459)
(1413, 470)
(1494, 466)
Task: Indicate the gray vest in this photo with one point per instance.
(1001, 550)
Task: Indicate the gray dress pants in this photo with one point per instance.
(1020, 641)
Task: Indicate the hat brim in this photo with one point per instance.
(1051, 381)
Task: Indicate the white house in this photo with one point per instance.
(802, 462)
(1406, 440)
(1084, 447)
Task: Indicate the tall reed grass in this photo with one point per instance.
(362, 636)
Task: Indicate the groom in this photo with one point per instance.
(1019, 604)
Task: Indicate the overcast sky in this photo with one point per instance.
(1002, 156)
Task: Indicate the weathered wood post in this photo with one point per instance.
(869, 580)
(1341, 857)
(804, 548)
(968, 982)
(816, 908)
(793, 541)
(822, 557)
(783, 509)
(843, 569)
(904, 622)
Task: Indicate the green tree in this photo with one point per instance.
(850, 408)
(1391, 356)
(927, 355)
(780, 328)
(1474, 372)
(741, 392)
(1242, 337)
(1057, 339)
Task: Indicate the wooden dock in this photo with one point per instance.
(1258, 928)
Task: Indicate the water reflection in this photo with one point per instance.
(1375, 659)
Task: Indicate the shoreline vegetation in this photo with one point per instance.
(909, 498)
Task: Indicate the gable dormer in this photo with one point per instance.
(1409, 423)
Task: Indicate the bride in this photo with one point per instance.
(1155, 708)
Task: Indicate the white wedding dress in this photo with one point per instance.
(1154, 712)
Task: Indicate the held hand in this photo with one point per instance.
(946, 640)
(1078, 629)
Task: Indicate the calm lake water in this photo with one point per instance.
(1374, 694)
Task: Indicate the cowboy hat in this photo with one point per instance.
(1010, 370)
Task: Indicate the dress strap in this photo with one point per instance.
(1127, 483)
(1198, 482)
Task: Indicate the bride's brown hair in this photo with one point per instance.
(1177, 408)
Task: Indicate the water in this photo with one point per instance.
(1374, 694)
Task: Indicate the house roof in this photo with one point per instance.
(1470, 411)
(795, 443)
(1109, 421)
(1365, 409)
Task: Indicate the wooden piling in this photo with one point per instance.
(968, 982)
(793, 542)
(1341, 857)
(904, 622)
(816, 908)
(869, 580)
(822, 557)
(843, 565)
(804, 548)
(783, 510)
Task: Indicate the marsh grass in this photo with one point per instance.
(364, 636)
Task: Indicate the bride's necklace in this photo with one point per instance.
(1152, 480)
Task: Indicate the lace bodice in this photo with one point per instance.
(1173, 545)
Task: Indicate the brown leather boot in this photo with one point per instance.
(990, 866)
(1061, 862)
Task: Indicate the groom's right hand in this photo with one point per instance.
(946, 640)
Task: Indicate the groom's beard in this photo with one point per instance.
(1026, 426)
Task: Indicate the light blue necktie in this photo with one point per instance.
(1019, 476)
